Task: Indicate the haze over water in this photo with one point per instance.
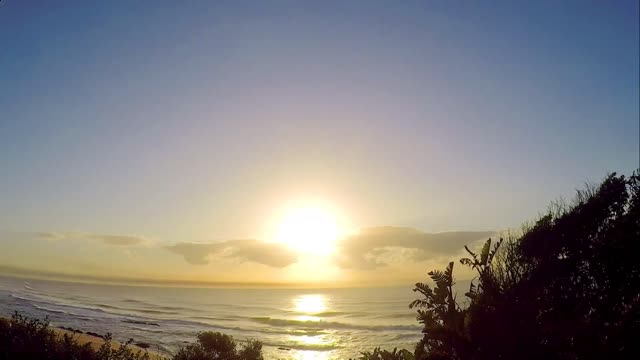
(293, 324)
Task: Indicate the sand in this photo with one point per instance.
(96, 342)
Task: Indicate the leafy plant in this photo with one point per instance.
(378, 354)
(567, 287)
(219, 346)
(24, 338)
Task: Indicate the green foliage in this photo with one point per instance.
(440, 314)
(23, 338)
(218, 346)
(568, 287)
(379, 354)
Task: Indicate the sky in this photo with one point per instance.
(168, 140)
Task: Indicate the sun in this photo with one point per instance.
(309, 229)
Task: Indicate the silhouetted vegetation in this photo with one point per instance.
(567, 288)
(379, 354)
(215, 345)
(23, 338)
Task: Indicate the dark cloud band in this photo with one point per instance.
(270, 254)
(378, 246)
(120, 240)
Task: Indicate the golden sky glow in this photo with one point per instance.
(325, 145)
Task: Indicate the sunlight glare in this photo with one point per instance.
(310, 230)
(310, 304)
(312, 355)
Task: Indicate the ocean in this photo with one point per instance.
(292, 324)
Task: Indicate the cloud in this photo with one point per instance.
(270, 254)
(194, 253)
(379, 246)
(119, 240)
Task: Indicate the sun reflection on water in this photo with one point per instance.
(310, 304)
(307, 306)
(312, 355)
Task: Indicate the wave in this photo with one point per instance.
(214, 318)
(134, 301)
(140, 322)
(332, 314)
(48, 300)
(56, 311)
(163, 307)
(31, 298)
(307, 332)
(146, 311)
(195, 325)
(35, 302)
(101, 308)
(403, 315)
(175, 308)
(303, 347)
(329, 324)
(407, 337)
(59, 311)
(72, 310)
(164, 332)
(200, 324)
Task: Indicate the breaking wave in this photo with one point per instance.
(329, 324)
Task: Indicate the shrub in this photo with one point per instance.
(378, 354)
(218, 346)
(24, 338)
(567, 288)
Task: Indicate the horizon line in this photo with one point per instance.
(24, 273)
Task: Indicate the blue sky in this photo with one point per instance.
(193, 121)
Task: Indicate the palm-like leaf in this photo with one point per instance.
(484, 254)
(472, 293)
(449, 273)
(437, 276)
(418, 303)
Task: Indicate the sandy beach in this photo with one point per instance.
(96, 342)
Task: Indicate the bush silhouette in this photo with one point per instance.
(378, 354)
(23, 338)
(568, 287)
(218, 346)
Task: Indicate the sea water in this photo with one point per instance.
(291, 323)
